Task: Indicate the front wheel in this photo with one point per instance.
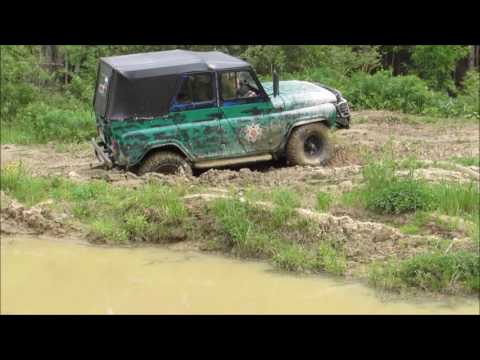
(165, 162)
(309, 145)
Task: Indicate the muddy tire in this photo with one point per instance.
(309, 145)
(165, 162)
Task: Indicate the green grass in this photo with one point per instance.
(291, 242)
(324, 201)
(385, 192)
(435, 271)
(417, 224)
(456, 199)
(467, 160)
(152, 213)
(41, 121)
(155, 213)
(11, 134)
(20, 184)
(297, 258)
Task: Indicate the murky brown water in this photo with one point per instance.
(43, 276)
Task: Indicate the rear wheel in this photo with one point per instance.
(165, 162)
(309, 145)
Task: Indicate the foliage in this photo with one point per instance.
(51, 123)
(436, 271)
(153, 213)
(436, 63)
(324, 200)
(21, 75)
(386, 192)
(58, 95)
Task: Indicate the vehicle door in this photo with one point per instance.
(244, 109)
(195, 112)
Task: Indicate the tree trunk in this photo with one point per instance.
(66, 69)
(50, 56)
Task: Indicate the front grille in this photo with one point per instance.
(343, 109)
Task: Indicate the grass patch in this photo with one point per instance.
(324, 201)
(301, 259)
(40, 122)
(17, 181)
(153, 213)
(293, 243)
(436, 271)
(385, 192)
(417, 224)
(466, 160)
(456, 199)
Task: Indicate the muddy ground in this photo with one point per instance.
(435, 143)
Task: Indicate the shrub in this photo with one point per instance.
(447, 273)
(387, 193)
(47, 123)
(399, 197)
(438, 271)
(382, 90)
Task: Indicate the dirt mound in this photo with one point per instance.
(17, 219)
(363, 241)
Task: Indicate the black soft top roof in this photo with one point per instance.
(171, 62)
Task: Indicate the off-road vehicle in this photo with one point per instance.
(172, 111)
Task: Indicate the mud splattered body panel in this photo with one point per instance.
(225, 130)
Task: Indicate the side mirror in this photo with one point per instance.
(276, 83)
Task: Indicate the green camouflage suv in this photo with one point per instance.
(172, 111)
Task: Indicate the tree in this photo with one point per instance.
(436, 64)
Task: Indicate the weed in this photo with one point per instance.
(332, 259)
(467, 161)
(324, 200)
(19, 183)
(296, 258)
(456, 199)
(434, 271)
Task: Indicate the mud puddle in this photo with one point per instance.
(47, 276)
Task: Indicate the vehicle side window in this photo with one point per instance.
(239, 85)
(195, 91)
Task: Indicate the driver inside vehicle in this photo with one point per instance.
(246, 86)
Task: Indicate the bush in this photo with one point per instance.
(387, 193)
(385, 91)
(47, 123)
(436, 63)
(438, 271)
(408, 93)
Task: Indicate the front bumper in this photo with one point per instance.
(343, 114)
(101, 155)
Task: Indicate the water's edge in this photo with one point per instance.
(48, 276)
